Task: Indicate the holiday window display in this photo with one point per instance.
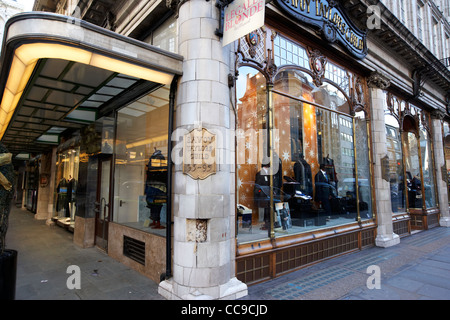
(66, 186)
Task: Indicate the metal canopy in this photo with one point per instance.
(53, 91)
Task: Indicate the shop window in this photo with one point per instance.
(447, 155)
(363, 164)
(395, 155)
(412, 166)
(314, 179)
(67, 164)
(287, 52)
(253, 194)
(428, 178)
(414, 154)
(140, 173)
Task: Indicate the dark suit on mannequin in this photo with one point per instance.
(262, 189)
(323, 191)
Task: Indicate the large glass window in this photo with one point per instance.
(314, 180)
(412, 166)
(447, 154)
(67, 164)
(140, 175)
(420, 170)
(427, 168)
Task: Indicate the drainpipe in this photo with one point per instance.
(172, 95)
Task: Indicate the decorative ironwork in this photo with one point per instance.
(385, 170)
(378, 80)
(199, 154)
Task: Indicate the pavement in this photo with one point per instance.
(416, 269)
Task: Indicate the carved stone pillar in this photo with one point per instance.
(385, 235)
(203, 211)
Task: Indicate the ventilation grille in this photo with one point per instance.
(134, 249)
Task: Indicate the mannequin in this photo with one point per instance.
(262, 185)
(323, 192)
(330, 170)
(62, 201)
(155, 187)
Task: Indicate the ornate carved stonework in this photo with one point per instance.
(317, 62)
(378, 80)
(437, 114)
(252, 47)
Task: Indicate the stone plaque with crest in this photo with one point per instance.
(199, 154)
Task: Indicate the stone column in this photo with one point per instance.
(203, 210)
(439, 159)
(44, 208)
(385, 234)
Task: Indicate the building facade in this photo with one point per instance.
(208, 167)
(7, 10)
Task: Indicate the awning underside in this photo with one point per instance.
(59, 74)
(61, 95)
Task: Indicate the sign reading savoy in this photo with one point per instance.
(332, 21)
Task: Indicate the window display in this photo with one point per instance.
(446, 134)
(313, 179)
(395, 155)
(140, 173)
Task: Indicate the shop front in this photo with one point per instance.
(66, 179)
(99, 107)
(322, 140)
(412, 176)
(304, 172)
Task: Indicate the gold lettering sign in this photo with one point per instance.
(199, 154)
(385, 171)
(331, 19)
(444, 173)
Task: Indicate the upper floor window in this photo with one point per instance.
(402, 11)
(420, 22)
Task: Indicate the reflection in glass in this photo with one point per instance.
(67, 164)
(253, 193)
(140, 176)
(314, 182)
(447, 154)
(427, 169)
(363, 161)
(395, 154)
(412, 167)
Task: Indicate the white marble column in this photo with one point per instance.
(385, 234)
(204, 265)
(439, 159)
